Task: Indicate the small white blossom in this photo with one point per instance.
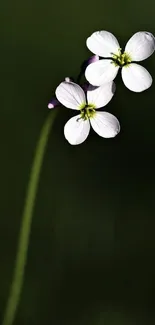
(139, 47)
(77, 128)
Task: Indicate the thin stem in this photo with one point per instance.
(79, 77)
(20, 263)
(82, 71)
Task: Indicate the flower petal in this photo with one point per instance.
(101, 72)
(100, 96)
(140, 46)
(76, 130)
(70, 95)
(136, 78)
(103, 43)
(105, 124)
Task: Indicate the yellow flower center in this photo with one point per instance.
(87, 111)
(121, 59)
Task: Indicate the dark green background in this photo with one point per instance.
(92, 245)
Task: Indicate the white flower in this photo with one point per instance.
(139, 47)
(77, 128)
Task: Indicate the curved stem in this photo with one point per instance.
(24, 235)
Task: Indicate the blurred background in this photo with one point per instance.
(91, 251)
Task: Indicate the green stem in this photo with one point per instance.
(24, 235)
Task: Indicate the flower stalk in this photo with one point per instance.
(24, 235)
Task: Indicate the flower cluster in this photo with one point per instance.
(100, 71)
